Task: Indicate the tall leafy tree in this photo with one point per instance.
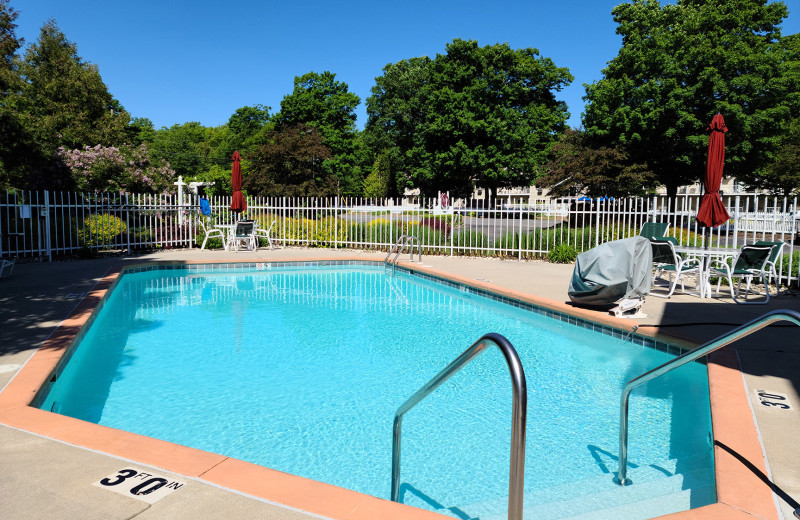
(15, 142)
(188, 148)
(378, 182)
(65, 100)
(679, 65)
(320, 101)
(291, 164)
(472, 116)
(9, 45)
(246, 129)
(782, 176)
(576, 167)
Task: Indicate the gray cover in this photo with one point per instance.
(611, 271)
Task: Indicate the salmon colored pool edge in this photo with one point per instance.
(740, 494)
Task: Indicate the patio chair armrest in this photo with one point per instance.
(691, 262)
(720, 267)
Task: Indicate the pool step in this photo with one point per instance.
(656, 490)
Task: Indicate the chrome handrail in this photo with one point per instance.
(519, 405)
(707, 348)
(398, 247)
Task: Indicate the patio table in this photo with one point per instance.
(230, 230)
(706, 255)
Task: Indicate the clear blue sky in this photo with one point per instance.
(175, 61)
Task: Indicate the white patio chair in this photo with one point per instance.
(265, 233)
(7, 264)
(211, 233)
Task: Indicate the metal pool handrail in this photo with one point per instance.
(516, 475)
(707, 348)
(398, 247)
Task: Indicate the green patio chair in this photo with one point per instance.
(651, 230)
(775, 257)
(666, 260)
(751, 262)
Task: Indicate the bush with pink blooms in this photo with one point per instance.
(125, 169)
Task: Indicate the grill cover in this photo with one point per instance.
(612, 271)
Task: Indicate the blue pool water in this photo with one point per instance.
(301, 370)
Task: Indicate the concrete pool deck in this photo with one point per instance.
(41, 477)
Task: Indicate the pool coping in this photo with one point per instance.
(740, 494)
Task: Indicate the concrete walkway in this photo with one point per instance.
(42, 478)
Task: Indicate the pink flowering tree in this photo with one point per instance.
(125, 169)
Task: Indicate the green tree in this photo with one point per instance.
(16, 144)
(65, 100)
(187, 148)
(678, 66)
(782, 176)
(575, 167)
(290, 164)
(141, 130)
(377, 183)
(247, 128)
(9, 45)
(474, 116)
(319, 101)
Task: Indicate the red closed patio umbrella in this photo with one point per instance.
(712, 211)
(238, 203)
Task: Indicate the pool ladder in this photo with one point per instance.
(516, 477)
(705, 349)
(399, 247)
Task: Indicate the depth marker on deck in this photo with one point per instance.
(773, 400)
(140, 484)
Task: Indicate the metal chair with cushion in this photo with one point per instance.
(244, 236)
(751, 262)
(666, 260)
(775, 257)
(652, 230)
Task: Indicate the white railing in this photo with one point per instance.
(48, 224)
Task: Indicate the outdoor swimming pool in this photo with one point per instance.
(302, 369)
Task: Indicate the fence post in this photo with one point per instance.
(452, 229)
(127, 209)
(519, 253)
(336, 222)
(48, 246)
(596, 224)
(736, 217)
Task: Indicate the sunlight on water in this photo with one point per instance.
(302, 371)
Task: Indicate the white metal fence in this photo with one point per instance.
(50, 224)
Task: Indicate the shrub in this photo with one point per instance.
(562, 254)
(436, 224)
(464, 241)
(430, 238)
(513, 241)
(99, 230)
(329, 230)
(792, 259)
(213, 242)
